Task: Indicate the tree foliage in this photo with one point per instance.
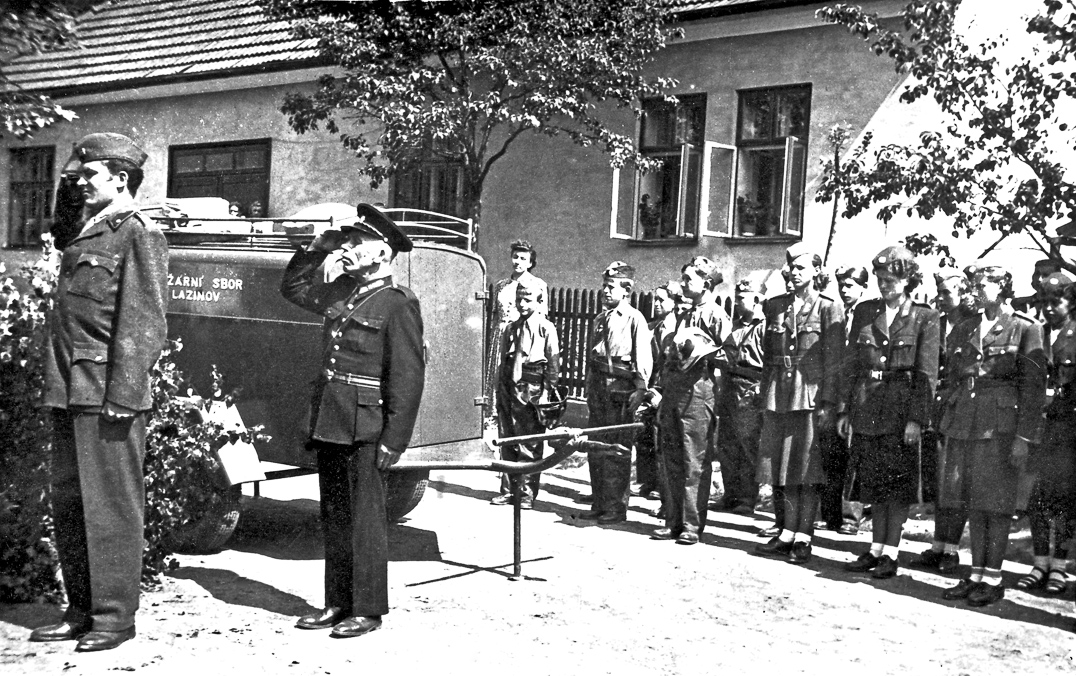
(29, 27)
(463, 79)
(996, 164)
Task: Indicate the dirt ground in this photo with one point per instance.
(593, 600)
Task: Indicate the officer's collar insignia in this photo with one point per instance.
(376, 284)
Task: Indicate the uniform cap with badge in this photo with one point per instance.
(619, 270)
(896, 260)
(371, 221)
(1054, 285)
(103, 146)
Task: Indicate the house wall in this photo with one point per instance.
(306, 169)
(559, 196)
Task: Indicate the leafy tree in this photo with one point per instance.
(463, 79)
(29, 27)
(996, 164)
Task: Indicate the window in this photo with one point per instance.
(432, 185)
(238, 172)
(30, 194)
(771, 144)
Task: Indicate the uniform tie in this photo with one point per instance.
(517, 358)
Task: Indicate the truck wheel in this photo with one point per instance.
(403, 491)
(208, 534)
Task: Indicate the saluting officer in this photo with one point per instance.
(106, 331)
(993, 412)
(887, 395)
(366, 400)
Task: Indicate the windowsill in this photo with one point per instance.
(767, 239)
(668, 241)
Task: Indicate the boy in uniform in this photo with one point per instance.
(530, 368)
(618, 370)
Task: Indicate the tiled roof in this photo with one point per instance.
(127, 43)
(138, 43)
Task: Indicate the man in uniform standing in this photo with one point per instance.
(106, 331)
(365, 403)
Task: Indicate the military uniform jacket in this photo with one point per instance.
(743, 349)
(536, 337)
(802, 353)
(372, 370)
(995, 384)
(1061, 384)
(107, 326)
(619, 346)
(890, 370)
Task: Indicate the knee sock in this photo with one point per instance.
(877, 548)
(992, 576)
(977, 523)
(786, 536)
(976, 574)
(803, 537)
(897, 514)
(1058, 564)
(1042, 562)
(891, 551)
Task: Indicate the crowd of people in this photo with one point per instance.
(844, 405)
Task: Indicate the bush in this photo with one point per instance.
(182, 472)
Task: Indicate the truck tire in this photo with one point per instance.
(403, 491)
(208, 534)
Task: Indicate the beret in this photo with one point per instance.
(372, 221)
(1054, 284)
(108, 146)
(619, 270)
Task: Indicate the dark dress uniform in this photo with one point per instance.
(889, 380)
(740, 412)
(801, 371)
(366, 394)
(106, 331)
(995, 392)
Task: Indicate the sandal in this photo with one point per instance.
(1033, 580)
(1055, 583)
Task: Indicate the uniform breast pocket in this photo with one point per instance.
(903, 351)
(362, 334)
(1000, 359)
(809, 333)
(92, 277)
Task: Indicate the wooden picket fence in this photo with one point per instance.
(573, 311)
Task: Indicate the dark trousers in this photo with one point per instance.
(355, 526)
(515, 418)
(687, 424)
(738, 452)
(610, 474)
(98, 507)
(834, 507)
(647, 472)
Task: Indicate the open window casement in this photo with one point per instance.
(622, 213)
(718, 186)
(792, 189)
(687, 208)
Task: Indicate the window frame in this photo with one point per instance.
(175, 177)
(428, 165)
(42, 191)
(789, 209)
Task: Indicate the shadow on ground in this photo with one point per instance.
(234, 589)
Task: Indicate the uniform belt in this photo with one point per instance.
(753, 373)
(353, 379)
(617, 369)
(890, 376)
(984, 382)
(785, 361)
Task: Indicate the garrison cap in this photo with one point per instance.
(944, 274)
(1054, 284)
(107, 146)
(619, 270)
(799, 249)
(371, 221)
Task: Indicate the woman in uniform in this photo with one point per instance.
(887, 396)
(802, 345)
(993, 411)
(1053, 497)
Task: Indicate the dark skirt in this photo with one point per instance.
(1054, 465)
(790, 442)
(887, 468)
(978, 474)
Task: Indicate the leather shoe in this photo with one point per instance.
(356, 626)
(949, 562)
(663, 534)
(862, 564)
(687, 538)
(95, 641)
(653, 495)
(592, 515)
(64, 631)
(504, 499)
(774, 548)
(886, 568)
(928, 559)
(985, 594)
(771, 532)
(961, 590)
(800, 554)
(848, 529)
(606, 519)
(323, 619)
(824, 525)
